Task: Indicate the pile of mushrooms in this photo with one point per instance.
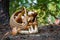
(24, 22)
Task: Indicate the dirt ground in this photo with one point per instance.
(50, 32)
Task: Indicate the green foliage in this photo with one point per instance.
(44, 8)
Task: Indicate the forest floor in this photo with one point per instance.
(50, 32)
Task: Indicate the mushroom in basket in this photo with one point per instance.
(24, 22)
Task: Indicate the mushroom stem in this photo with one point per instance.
(36, 28)
(14, 31)
(24, 32)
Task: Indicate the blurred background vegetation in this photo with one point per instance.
(47, 10)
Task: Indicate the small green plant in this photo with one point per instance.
(44, 8)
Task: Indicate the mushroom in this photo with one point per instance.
(14, 31)
(23, 22)
(31, 16)
(33, 27)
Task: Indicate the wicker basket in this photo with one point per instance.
(13, 23)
